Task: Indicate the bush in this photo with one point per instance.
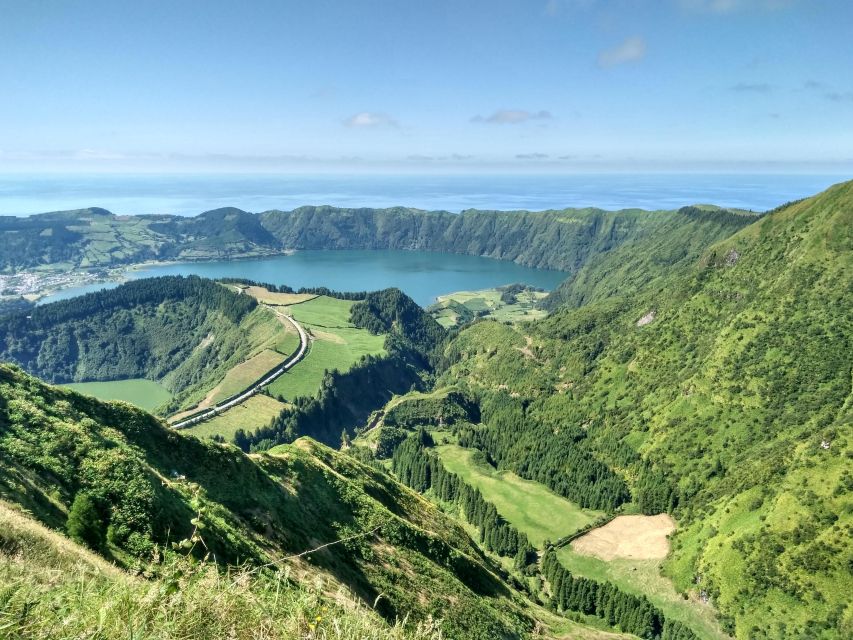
(85, 524)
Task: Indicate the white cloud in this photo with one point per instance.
(630, 50)
(512, 116)
(368, 119)
(531, 156)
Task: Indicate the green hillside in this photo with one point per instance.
(115, 478)
(717, 389)
(185, 333)
(560, 239)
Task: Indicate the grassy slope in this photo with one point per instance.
(254, 508)
(337, 344)
(53, 587)
(256, 411)
(528, 506)
(730, 392)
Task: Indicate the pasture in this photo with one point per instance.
(529, 506)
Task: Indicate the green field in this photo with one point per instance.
(336, 344)
(255, 412)
(462, 307)
(644, 577)
(145, 394)
(528, 506)
(245, 374)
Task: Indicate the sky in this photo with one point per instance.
(380, 85)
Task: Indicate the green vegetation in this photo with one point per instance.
(718, 390)
(631, 613)
(564, 240)
(54, 588)
(511, 303)
(643, 577)
(410, 339)
(254, 413)
(528, 506)
(151, 486)
(184, 333)
(337, 345)
(145, 394)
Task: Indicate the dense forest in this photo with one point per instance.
(415, 465)
(421, 470)
(633, 614)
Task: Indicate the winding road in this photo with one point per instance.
(257, 386)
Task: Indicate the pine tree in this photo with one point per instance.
(84, 523)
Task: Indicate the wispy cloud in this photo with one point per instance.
(732, 6)
(513, 116)
(839, 96)
(630, 50)
(453, 157)
(531, 156)
(370, 119)
(752, 87)
(827, 92)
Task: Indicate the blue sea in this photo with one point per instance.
(193, 194)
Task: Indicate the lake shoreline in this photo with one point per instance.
(422, 275)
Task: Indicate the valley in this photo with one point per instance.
(636, 452)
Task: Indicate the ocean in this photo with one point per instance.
(22, 195)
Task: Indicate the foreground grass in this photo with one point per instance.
(52, 588)
(145, 394)
(528, 506)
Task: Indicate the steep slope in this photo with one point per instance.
(564, 239)
(149, 486)
(53, 587)
(720, 393)
(641, 262)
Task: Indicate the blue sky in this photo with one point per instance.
(521, 85)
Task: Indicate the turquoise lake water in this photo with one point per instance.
(422, 275)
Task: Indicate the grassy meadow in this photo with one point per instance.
(528, 506)
(463, 306)
(255, 412)
(336, 344)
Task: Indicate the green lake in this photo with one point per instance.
(145, 394)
